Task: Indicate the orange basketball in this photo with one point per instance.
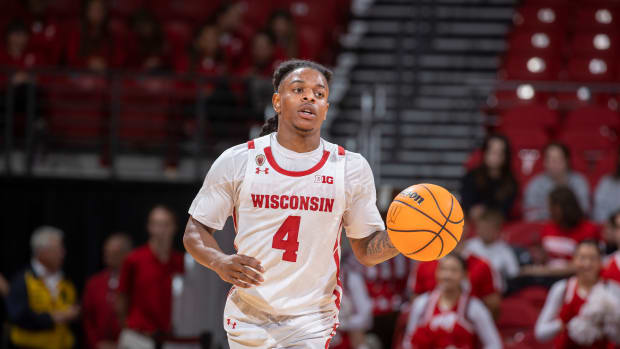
(425, 222)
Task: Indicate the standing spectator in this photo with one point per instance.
(483, 281)
(491, 247)
(41, 301)
(149, 52)
(557, 172)
(91, 44)
(355, 309)
(45, 32)
(567, 228)
(101, 325)
(449, 316)
(282, 27)
(145, 284)
(491, 184)
(577, 310)
(607, 195)
(204, 56)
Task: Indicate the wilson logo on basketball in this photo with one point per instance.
(415, 196)
(324, 179)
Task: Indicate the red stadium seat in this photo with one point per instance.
(63, 8)
(523, 234)
(592, 116)
(311, 12)
(541, 17)
(143, 116)
(536, 42)
(528, 67)
(580, 97)
(605, 165)
(197, 11)
(523, 94)
(311, 42)
(77, 107)
(256, 13)
(125, 8)
(591, 69)
(597, 17)
(528, 116)
(178, 34)
(595, 43)
(534, 295)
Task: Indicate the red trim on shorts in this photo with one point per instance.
(234, 215)
(276, 167)
(331, 335)
(340, 150)
(337, 260)
(251, 144)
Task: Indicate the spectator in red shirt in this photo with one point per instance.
(101, 325)
(149, 50)
(16, 54)
(611, 270)
(45, 31)
(233, 35)
(145, 284)
(484, 282)
(91, 44)
(567, 228)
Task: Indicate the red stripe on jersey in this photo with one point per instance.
(276, 167)
(331, 335)
(337, 260)
(251, 144)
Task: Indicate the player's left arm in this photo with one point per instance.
(373, 249)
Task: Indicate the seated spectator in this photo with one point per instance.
(101, 326)
(264, 58)
(233, 35)
(205, 56)
(16, 55)
(449, 316)
(282, 28)
(148, 49)
(483, 281)
(557, 172)
(611, 270)
(45, 32)
(607, 195)
(355, 308)
(567, 228)
(579, 311)
(491, 184)
(145, 284)
(491, 247)
(91, 44)
(42, 302)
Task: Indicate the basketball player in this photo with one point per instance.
(289, 192)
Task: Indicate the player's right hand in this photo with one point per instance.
(239, 270)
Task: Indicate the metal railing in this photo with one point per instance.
(170, 116)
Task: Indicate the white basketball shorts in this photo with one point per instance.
(248, 327)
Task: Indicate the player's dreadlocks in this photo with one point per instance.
(271, 125)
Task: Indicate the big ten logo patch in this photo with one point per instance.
(415, 196)
(323, 179)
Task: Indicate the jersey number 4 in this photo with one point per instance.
(286, 238)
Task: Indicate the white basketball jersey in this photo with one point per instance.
(291, 223)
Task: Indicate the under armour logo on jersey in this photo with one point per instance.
(265, 171)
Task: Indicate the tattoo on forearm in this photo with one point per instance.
(380, 244)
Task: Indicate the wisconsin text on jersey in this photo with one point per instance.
(293, 202)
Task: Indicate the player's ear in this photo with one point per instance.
(275, 101)
(325, 118)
